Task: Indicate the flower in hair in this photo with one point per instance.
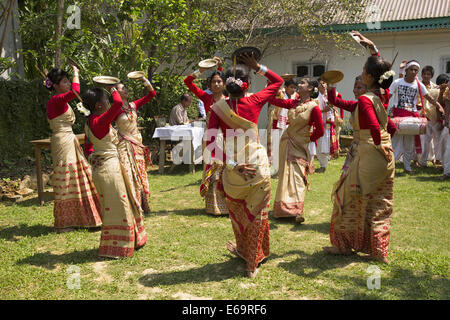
(386, 75)
(239, 82)
(316, 90)
(48, 83)
(82, 109)
(244, 86)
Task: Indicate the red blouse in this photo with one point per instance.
(142, 101)
(100, 124)
(207, 98)
(314, 121)
(248, 108)
(367, 116)
(57, 104)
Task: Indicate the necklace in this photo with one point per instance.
(129, 112)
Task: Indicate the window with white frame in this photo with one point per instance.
(313, 70)
(445, 65)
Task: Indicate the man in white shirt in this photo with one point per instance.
(407, 91)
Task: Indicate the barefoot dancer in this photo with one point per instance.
(295, 159)
(76, 199)
(246, 176)
(211, 188)
(363, 196)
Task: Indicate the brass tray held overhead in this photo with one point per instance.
(256, 54)
(208, 63)
(106, 80)
(332, 76)
(136, 75)
(288, 76)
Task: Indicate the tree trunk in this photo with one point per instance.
(59, 22)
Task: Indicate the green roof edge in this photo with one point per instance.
(393, 26)
(385, 26)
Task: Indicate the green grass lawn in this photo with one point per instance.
(185, 256)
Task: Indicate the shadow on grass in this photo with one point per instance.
(187, 212)
(32, 202)
(401, 283)
(319, 261)
(323, 227)
(429, 173)
(212, 272)
(444, 188)
(179, 170)
(395, 280)
(49, 260)
(197, 183)
(24, 230)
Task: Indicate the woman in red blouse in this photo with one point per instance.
(295, 159)
(210, 187)
(123, 227)
(246, 174)
(132, 153)
(76, 199)
(363, 196)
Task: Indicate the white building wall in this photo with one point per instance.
(429, 47)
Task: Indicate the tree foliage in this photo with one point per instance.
(166, 38)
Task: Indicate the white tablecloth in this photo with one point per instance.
(183, 132)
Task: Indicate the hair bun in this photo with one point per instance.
(234, 88)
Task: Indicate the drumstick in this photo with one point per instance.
(394, 60)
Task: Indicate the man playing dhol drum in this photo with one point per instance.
(407, 91)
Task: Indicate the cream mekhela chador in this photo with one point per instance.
(76, 199)
(123, 228)
(132, 153)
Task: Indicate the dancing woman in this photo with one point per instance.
(132, 153)
(295, 159)
(363, 196)
(211, 188)
(246, 176)
(76, 199)
(123, 228)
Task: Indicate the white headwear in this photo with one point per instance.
(412, 63)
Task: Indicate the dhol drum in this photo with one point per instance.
(410, 125)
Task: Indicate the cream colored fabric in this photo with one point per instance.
(76, 198)
(295, 162)
(368, 167)
(254, 192)
(132, 154)
(123, 229)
